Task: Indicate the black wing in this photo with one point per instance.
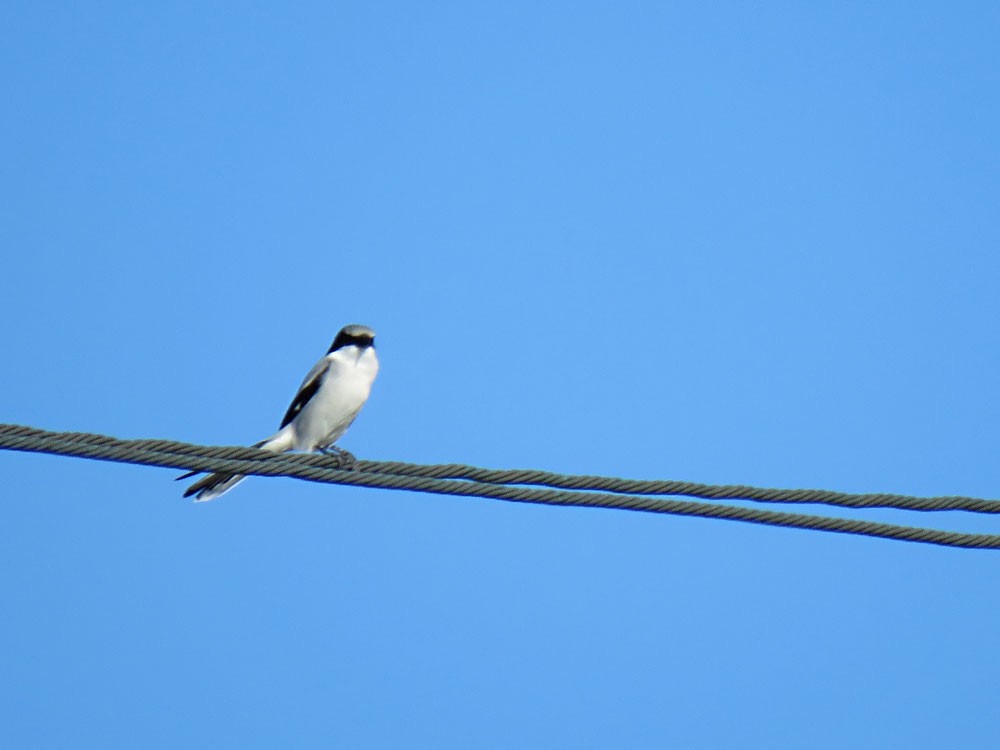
(306, 392)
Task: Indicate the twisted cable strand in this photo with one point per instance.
(562, 481)
(689, 489)
(318, 468)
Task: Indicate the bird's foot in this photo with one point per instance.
(345, 459)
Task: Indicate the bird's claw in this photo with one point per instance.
(345, 459)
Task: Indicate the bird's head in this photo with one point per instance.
(362, 337)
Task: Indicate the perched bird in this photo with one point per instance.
(328, 400)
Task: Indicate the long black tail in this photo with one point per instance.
(210, 487)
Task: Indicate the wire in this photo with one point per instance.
(688, 489)
(568, 481)
(318, 468)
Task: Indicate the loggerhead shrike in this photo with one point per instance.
(327, 402)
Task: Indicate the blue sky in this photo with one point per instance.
(714, 242)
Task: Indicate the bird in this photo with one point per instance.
(328, 401)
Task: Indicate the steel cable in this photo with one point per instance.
(473, 482)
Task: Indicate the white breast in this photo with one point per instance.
(344, 390)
